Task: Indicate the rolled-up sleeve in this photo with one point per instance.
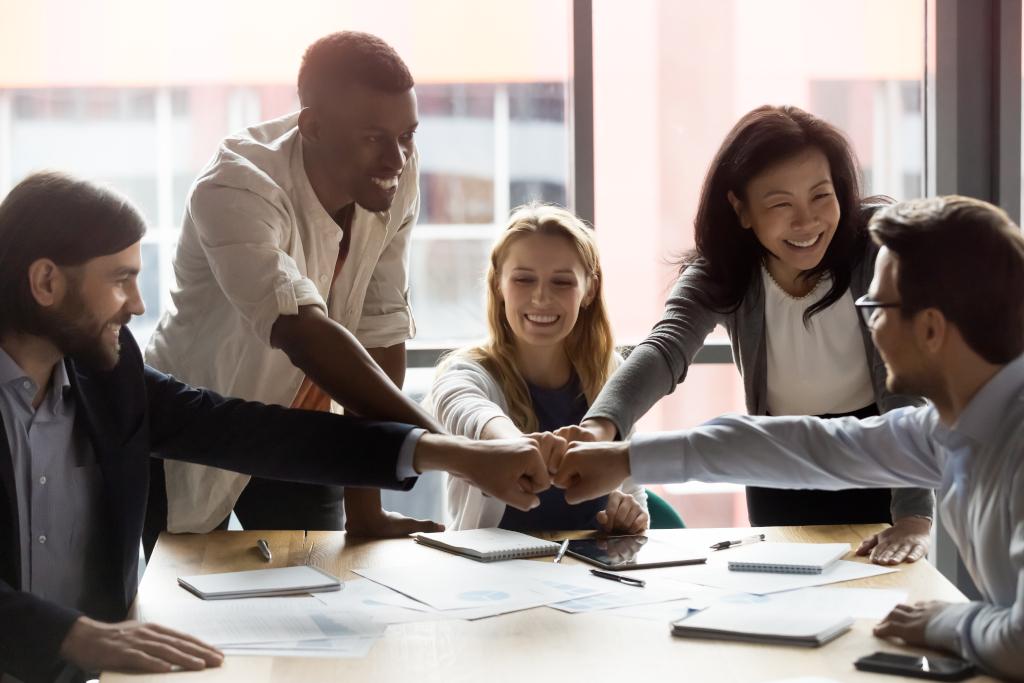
(242, 235)
(387, 316)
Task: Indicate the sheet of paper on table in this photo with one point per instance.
(262, 621)
(341, 648)
(459, 583)
(656, 591)
(762, 583)
(859, 603)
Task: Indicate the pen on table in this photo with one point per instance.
(722, 545)
(264, 549)
(629, 580)
(561, 551)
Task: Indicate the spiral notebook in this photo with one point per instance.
(788, 558)
(487, 545)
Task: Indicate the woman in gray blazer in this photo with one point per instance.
(781, 253)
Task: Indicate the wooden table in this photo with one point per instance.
(540, 644)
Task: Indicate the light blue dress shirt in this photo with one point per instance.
(977, 466)
(58, 484)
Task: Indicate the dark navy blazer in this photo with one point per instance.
(134, 411)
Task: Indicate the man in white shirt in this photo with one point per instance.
(946, 311)
(292, 286)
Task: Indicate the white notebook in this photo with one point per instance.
(487, 545)
(787, 558)
(756, 624)
(260, 583)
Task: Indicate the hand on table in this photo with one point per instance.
(623, 515)
(907, 540)
(133, 647)
(909, 622)
(386, 524)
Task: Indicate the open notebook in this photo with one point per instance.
(787, 558)
(760, 624)
(487, 545)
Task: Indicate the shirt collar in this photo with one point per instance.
(981, 418)
(60, 386)
(11, 372)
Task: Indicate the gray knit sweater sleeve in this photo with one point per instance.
(661, 360)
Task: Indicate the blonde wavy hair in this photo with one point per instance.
(589, 346)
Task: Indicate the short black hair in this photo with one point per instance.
(964, 257)
(347, 57)
(67, 220)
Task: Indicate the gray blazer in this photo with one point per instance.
(661, 361)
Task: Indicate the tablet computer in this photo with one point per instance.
(633, 552)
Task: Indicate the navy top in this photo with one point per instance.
(556, 408)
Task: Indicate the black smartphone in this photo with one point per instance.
(935, 668)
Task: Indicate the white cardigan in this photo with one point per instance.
(465, 397)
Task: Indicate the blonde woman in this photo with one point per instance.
(548, 353)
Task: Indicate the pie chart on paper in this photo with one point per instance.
(484, 596)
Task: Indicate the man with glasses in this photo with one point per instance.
(946, 311)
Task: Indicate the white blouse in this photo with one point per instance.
(816, 368)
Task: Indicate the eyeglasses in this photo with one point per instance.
(868, 308)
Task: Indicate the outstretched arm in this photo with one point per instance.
(790, 452)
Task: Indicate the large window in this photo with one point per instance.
(139, 98)
(670, 80)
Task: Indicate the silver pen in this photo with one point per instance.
(561, 551)
(264, 549)
(722, 545)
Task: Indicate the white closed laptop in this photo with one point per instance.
(787, 558)
(260, 583)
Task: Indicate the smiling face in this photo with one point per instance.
(895, 336)
(793, 210)
(101, 296)
(358, 142)
(543, 284)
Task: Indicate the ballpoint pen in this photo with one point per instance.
(722, 545)
(264, 549)
(561, 551)
(628, 580)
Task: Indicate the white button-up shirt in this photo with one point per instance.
(256, 243)
(977, 467)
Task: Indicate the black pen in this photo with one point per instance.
(629, 580)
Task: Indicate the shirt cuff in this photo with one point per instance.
(944, 629)
(404, 468)
(655, 459)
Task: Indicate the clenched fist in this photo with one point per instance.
(512, 470)
(589, 470)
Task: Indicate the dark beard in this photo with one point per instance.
(77, 333)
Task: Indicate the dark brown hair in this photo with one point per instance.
(730, 255)
(67, 220)
(340, 59)
(964, 257)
